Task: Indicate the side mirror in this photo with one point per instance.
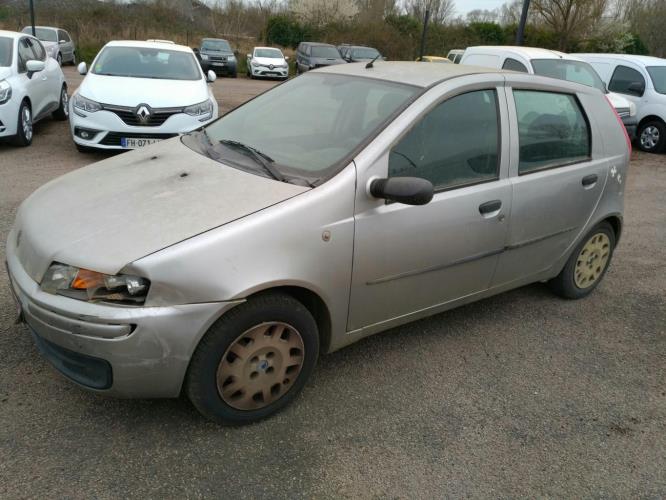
(286, 58)
(211, 76)
(407, 190)
(34, 66)
(82, 68)
(62, 42)
(249, 56)
(636, 88)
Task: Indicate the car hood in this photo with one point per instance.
(265, 61)
(124, 91)
(111, 213)
(621, 104)
(216, 52)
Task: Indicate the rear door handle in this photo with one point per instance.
(490, 206)
(589, 180)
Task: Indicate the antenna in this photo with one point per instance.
(370, 64)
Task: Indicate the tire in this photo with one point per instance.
(62, 113)
(24, 131)
(234, 74)
(252, 334)
(587, 264)
(59, 59)
(651, 136)
(73, 59)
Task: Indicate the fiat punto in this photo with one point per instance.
(342, 203)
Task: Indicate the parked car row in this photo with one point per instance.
(57, 42)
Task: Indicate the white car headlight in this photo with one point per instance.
(231, 58)
(5, 91)
(202, 109)
(85, 104)
(204, 57)
(632, 108)
(255, 64)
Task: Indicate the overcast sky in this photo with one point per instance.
(464, 6)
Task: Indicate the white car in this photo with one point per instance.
(138, 93)
(642, 80)
(267, 62)
(553, 64)
(32, 87)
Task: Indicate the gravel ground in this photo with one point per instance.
(522, 394)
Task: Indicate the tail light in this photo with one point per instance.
(619, 120)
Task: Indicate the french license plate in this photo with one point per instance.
(136, 142)
(219, 64)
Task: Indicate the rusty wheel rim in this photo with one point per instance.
(260, 366)
(592, 260)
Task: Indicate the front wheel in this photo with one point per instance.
(24, 126)
(587, 264)
(62, 113)
(59, 59)
(652, 137)
(254, 360)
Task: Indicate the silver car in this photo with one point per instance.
(337, 205)
(57, 42)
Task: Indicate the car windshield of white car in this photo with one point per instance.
(5, 52)
(216, 45)
(44, 34)
(571, 71)
(325, 52)
(270, 53)
(364, 53)
(143, 62)
(658, 76)
(311, 126)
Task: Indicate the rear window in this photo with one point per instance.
(571, 71)
(552, 130)
(365, 53)
(6, 48)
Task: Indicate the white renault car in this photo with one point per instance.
(267, 62)
(138, 93)
(32, 87)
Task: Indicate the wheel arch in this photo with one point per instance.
(616, 223)
(650, 118)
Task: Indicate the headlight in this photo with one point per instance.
(632, 108)
(5, 91)
(86, 104)
(84, 284)
(203, 108)
(231, 58)
(204, 57)
(255, 64)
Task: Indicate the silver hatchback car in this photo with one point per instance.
(342, 203)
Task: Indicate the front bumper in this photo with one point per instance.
(267, 72)
(219, 67)
(138, 352)
(107, 129)
(9, 117)
(631, 124)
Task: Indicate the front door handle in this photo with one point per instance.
(489, 207)
(589, 180)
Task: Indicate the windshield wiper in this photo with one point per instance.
(261, 158)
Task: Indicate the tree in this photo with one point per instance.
(440, 10)
(569, 18)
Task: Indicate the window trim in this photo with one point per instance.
(435, 104)
(558, 165)
(632, 69)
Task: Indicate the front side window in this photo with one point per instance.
(552, 130)
(455, 144)
(6, 49)
(25, 54)
(143, 62)
(626, 80)
(513, 65)
(62, 36)
(658, 76)
(571, 71)
(38, 49)
(309, 125)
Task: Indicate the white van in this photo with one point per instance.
(642, 80)
(553, 64)
(455, 55)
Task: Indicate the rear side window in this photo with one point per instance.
(455, 144)
(552, 130)
(623, 77)
(513, 65)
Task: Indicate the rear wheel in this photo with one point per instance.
(73, 58)
(587, 264)
(24, 126)
(62, 113)
(59, 59)
(254, 360)
(652, 136)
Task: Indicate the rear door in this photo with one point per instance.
(557, 173)
(409, 259)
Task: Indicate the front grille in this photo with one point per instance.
(127, 114)
(217, 58)
(113, 138)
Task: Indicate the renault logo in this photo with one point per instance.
(143, 113)
(271, 67)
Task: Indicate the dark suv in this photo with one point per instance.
(311, 55)
(216, 54)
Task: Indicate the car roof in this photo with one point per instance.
(318, 43)
(645, 60)
(274, 48)
(408, 72)
(11, 34)
(149, 45)
(43, 27)
(215, 39)
(361, 47)
(526, 52)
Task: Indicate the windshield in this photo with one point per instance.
(365, 53)
(325, 52)
(658, 76)
(310, 124)
(271, 53)
(142, 62)
(571, 71)
(5, 51)
(216, 45)
(44, 34)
